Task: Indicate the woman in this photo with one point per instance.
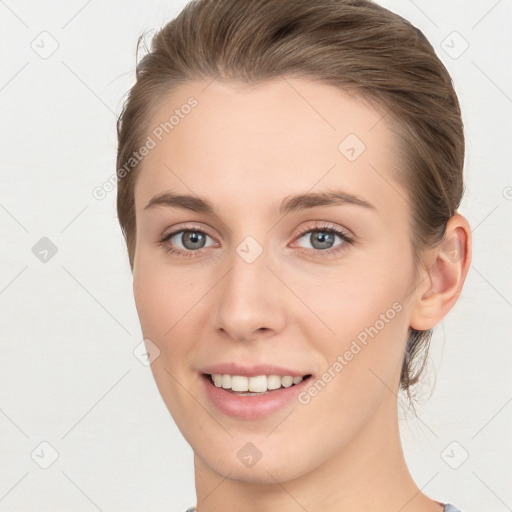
(289, 175)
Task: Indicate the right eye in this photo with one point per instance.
(186, 241)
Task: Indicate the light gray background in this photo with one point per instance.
(68, 375)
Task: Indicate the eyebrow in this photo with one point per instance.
(289, 204)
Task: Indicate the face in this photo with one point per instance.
(273, 242)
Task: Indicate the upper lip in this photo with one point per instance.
(253, 370)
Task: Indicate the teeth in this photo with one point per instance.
(226, 381)
(273, 382)
(257, 384)
(239, 383)
(287, 381)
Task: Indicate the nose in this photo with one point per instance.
(248, 303)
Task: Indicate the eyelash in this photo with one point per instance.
(324, 228)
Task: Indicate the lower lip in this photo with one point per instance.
(251, 407)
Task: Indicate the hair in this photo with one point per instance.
(355, 45)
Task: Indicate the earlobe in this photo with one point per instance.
(443, 284)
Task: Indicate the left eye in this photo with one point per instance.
(321, 239)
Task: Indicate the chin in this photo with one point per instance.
(254, 460)
(262, 473)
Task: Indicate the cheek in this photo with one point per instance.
(350, 301)
(163, 297)
(153, 301)
(361, 361)
(360, 329)
(164, 304)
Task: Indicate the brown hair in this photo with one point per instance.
(355, 45)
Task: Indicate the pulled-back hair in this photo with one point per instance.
(355, 45)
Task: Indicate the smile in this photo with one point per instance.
(252, 397)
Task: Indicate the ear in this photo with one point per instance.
(440, 288)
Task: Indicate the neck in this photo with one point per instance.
(371, 474)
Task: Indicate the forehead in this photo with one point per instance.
(266, 140)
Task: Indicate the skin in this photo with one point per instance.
(245, 149)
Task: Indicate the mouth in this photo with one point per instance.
(257, 385)
(252, 397)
